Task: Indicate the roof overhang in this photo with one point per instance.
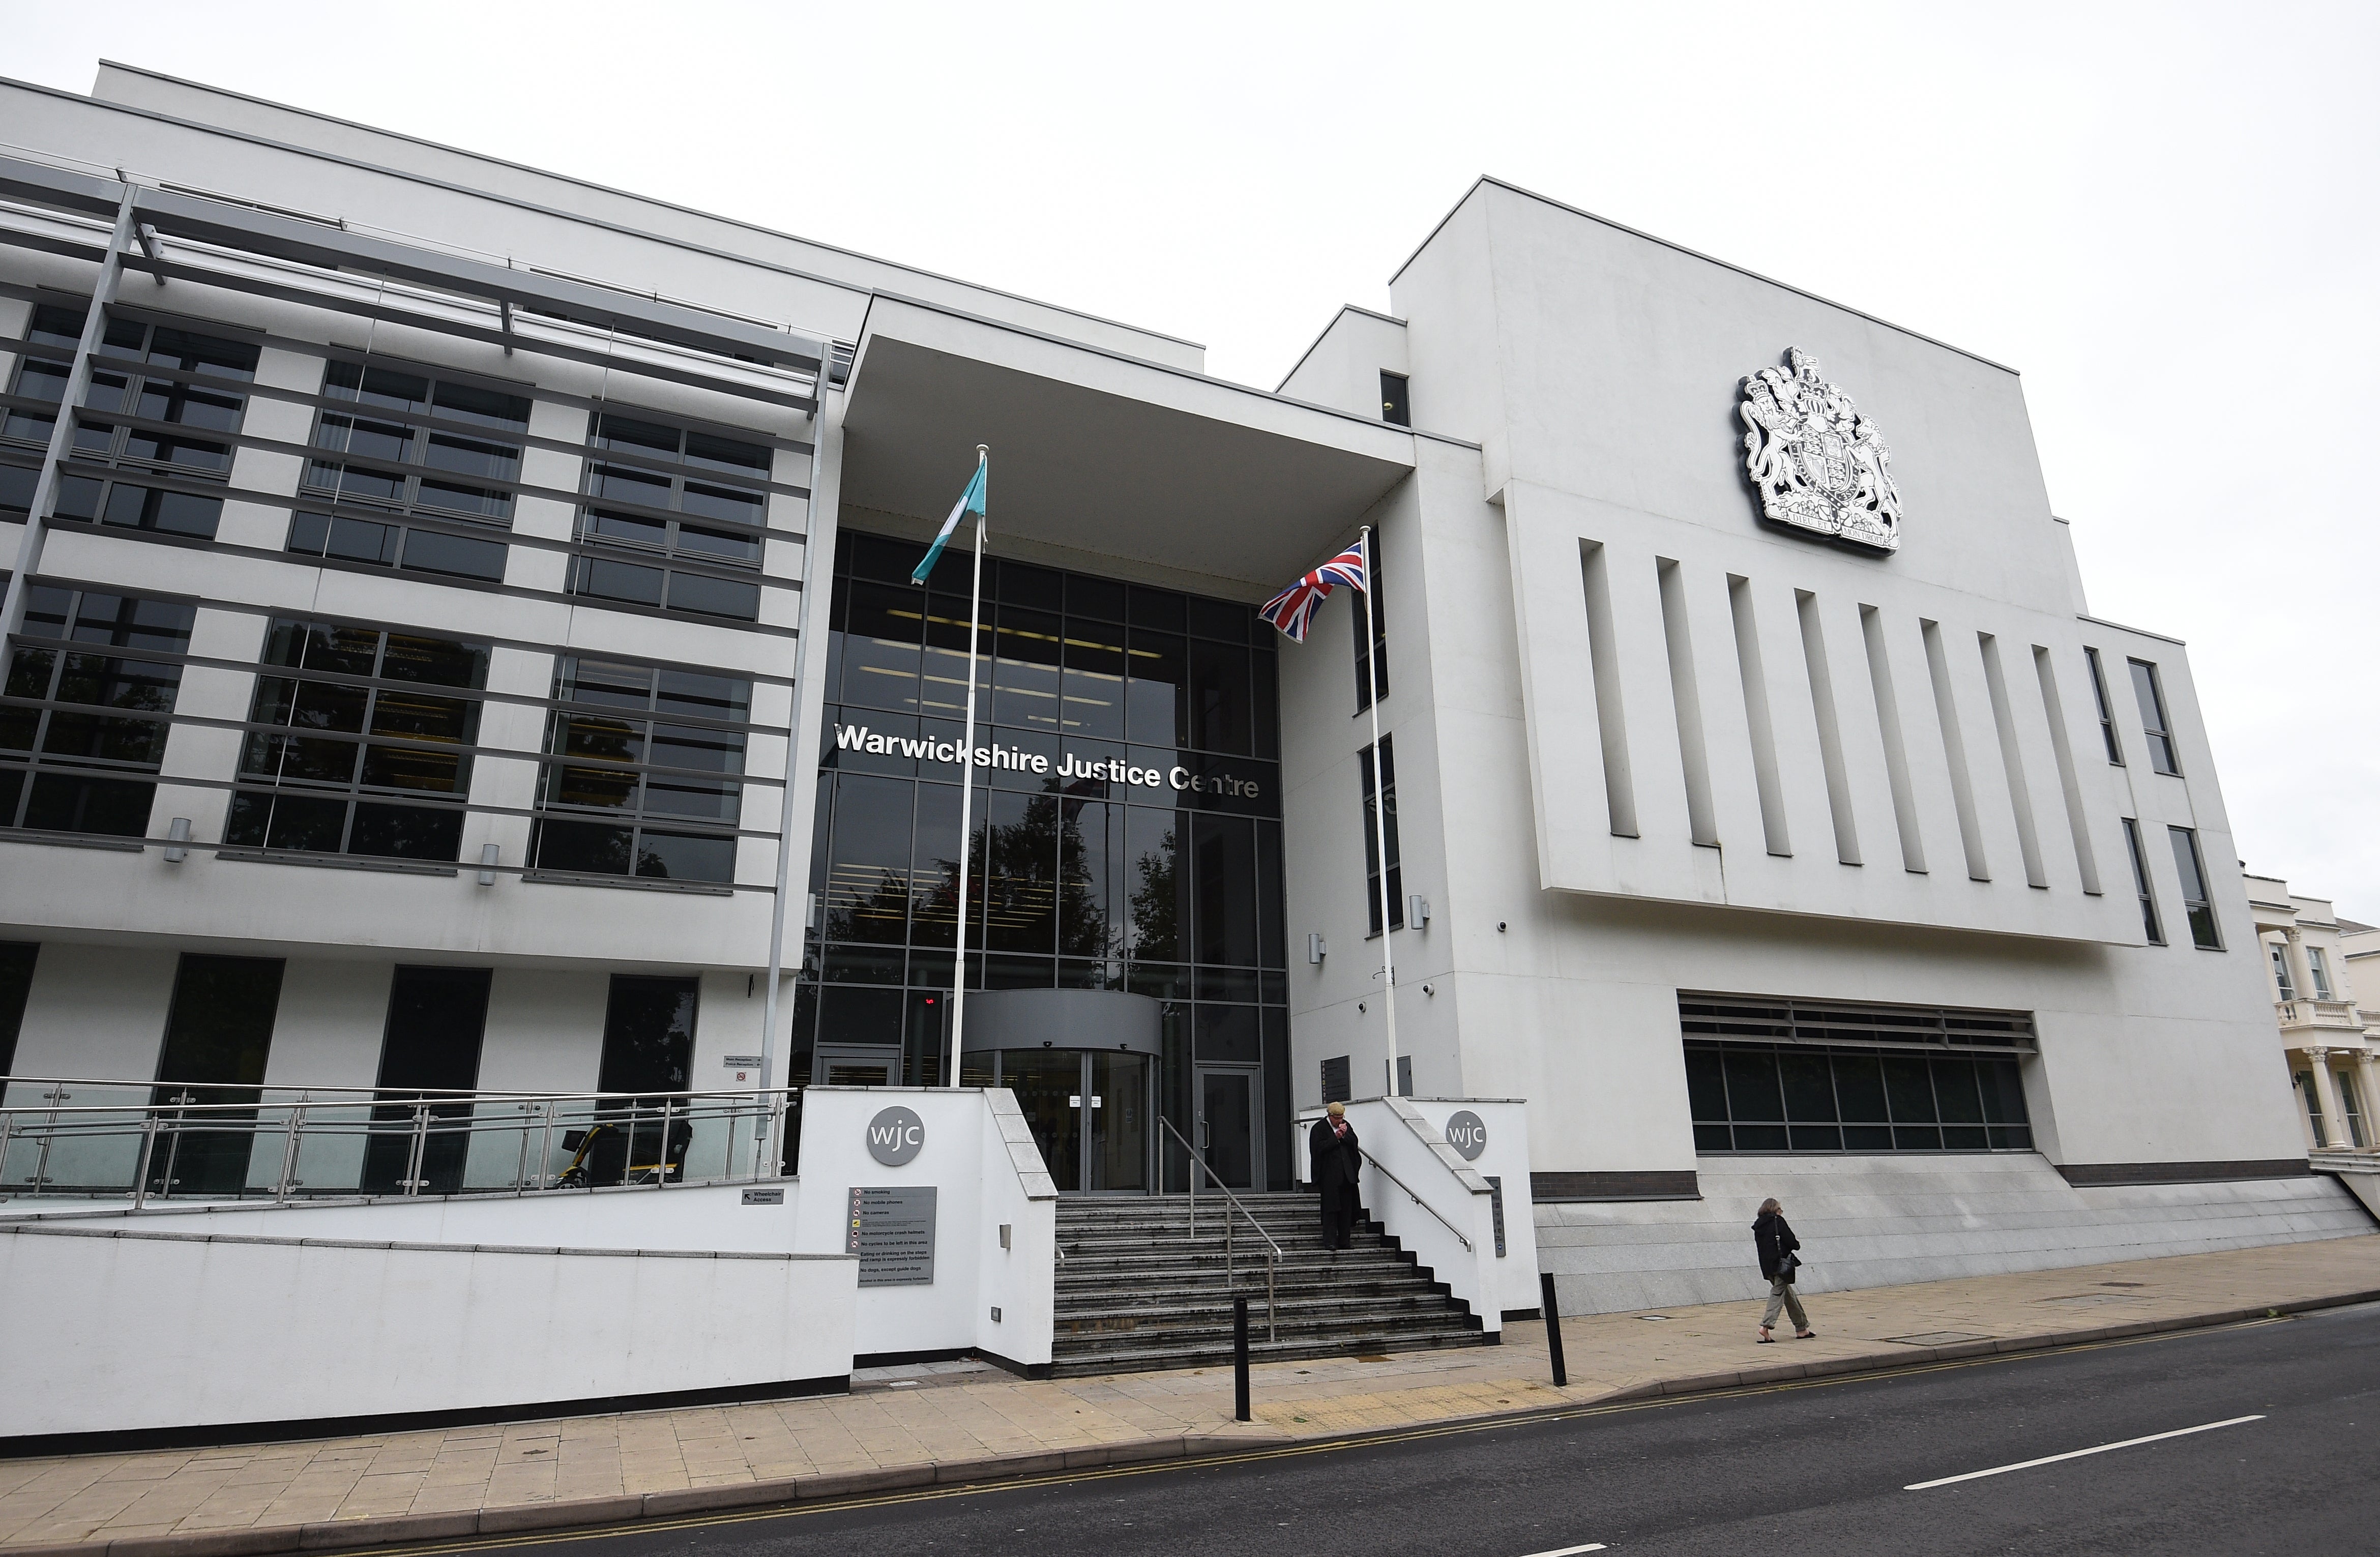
(1103, 454)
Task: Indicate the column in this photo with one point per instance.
(2367, 1077)
(2334, 1123)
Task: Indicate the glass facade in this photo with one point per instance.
(1126, 817)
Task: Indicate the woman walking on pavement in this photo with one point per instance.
(1773, 1237)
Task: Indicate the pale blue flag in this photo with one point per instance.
(970, 502)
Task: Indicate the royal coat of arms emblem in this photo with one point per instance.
(1816, 461)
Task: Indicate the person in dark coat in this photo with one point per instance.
(1336, 1161)
(1773, 1237)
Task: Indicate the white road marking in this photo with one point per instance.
(1569, 1550)
(2073, 1455)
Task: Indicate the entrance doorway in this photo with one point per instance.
(856, 1066)
(1231, 1136)
(1089, 1112)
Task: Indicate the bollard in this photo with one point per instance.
(1240, 1359)
(1553, 1325)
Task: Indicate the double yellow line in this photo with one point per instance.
(1277, 1452)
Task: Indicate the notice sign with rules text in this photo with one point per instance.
(892, 1230)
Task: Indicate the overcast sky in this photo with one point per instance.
(2163, 215)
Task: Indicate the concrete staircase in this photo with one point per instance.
(1136, 1291)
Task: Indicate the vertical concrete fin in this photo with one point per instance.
(1896, 750)
(2027, 838)
(1830, 730)
(1954, 751)
(1755, 676)
(2070, 781)
(1686, 693)
(1610, 716)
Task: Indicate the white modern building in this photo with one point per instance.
(461, 640)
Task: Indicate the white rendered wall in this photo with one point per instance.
(980, 1155)
(1342, 368)
(271, 1331)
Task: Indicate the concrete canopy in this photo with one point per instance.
(1105, 454)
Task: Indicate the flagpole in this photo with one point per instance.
(1380, 803)
(967, 780)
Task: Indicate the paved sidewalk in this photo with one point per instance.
(915, 1426)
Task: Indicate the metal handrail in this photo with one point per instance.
(1417, 1200)
(1273, 1255)
(82, 1149)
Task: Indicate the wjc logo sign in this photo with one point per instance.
(895, 1136)
(1468, 1133)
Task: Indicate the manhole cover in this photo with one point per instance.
(1938, 1338)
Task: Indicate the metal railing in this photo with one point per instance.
(1417, 1200)
(1230, 1268)
(110, 1139)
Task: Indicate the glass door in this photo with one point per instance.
(856, 1066)
(1049, 1087)
(1229, 1137)
(1116, 1099)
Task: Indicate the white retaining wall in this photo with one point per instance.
(1881, 1221)
(130, 1328)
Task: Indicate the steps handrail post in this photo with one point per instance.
(1272, 1317)
(1240, 1357)
(1552, 1306)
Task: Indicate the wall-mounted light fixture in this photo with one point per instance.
(1316, 949)
(489, 854)
(180, 832)
(1416, 910)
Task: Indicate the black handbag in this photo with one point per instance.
(1787, 1266)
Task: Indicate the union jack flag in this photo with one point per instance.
(1292, 610)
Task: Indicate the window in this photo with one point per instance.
(648, 1035)
(218, 1032)
(2107, 717)
(16, 958)
(350, 751)
(2350, 1108)
(2313, 1096)
(170, 412)
(2195, 902)
(666, 492)
(1749, 1097)
(2151, 693)
(417, 448)
(436, 1019)
(1396, 402)
(1089, 880)
(1376, 803)
(1337, 1083)
(1771, 1074)
(2319, 966)
(635, 781)
(1369, 620)
(2149, 924)
(2281, 979)
(66, 765)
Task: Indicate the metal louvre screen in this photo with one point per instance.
(1785, 1076)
